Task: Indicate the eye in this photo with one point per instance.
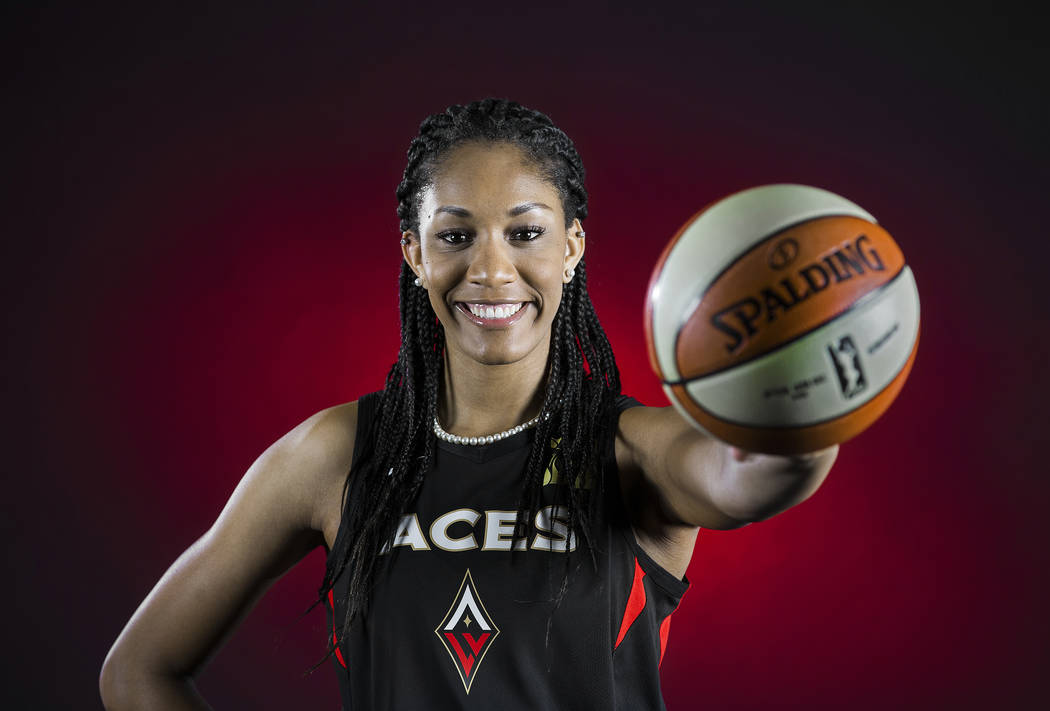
(528, 233)
(454, 237)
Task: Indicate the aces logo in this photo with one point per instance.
(467, 632)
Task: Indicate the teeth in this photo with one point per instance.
(499, 311)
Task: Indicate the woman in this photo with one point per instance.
(512, 533)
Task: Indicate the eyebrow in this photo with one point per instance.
(513, 212)
(526, 206)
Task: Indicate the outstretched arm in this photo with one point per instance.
(270, 522)
(699, 481)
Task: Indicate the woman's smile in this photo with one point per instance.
(493, 314)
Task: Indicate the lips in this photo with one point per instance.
(493, 315)
(494, 311)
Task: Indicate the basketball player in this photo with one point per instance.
(504, 529)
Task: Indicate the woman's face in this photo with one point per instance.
(493, 253)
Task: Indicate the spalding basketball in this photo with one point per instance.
(782, 319)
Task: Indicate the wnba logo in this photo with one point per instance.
(846, 357)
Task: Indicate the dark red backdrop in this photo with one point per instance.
(202, 251)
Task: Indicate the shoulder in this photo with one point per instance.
(644, 431)
(322, 446)
(646, 439)
(324, 439)
(307, 466)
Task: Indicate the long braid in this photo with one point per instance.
(583, 381)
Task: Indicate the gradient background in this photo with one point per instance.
(201, 251)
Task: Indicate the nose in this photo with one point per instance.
(491, 264)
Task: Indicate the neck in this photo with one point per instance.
(479, 399)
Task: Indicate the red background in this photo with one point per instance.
(202, 250)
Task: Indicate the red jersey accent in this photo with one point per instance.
(635, 603)
(335, 640)
(665, 627)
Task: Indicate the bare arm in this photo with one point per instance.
(272, 520)
(698, 481)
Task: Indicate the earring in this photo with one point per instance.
(418, 282)
(581, 233)
(405, 240)
(569, 274)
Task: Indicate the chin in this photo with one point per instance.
(500, 347)
(503, 351)
(499, 356)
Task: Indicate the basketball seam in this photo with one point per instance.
(752, 248)
(746, 425)
(688, 312)
(861, 300)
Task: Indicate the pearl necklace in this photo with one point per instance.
(488, 439)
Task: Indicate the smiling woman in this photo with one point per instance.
(492, 257)
(504, 528)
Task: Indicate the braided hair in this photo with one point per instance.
(583, 381)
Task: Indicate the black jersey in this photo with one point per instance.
(459, 620)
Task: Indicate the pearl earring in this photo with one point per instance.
(418, 282)
(569, 274)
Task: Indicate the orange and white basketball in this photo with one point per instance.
(782, 319)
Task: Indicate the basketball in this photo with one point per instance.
(782, 319)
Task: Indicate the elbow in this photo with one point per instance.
(117, 683)
(127, 681)
(111, 685)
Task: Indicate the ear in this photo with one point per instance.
(413, 253)
(575, 243)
